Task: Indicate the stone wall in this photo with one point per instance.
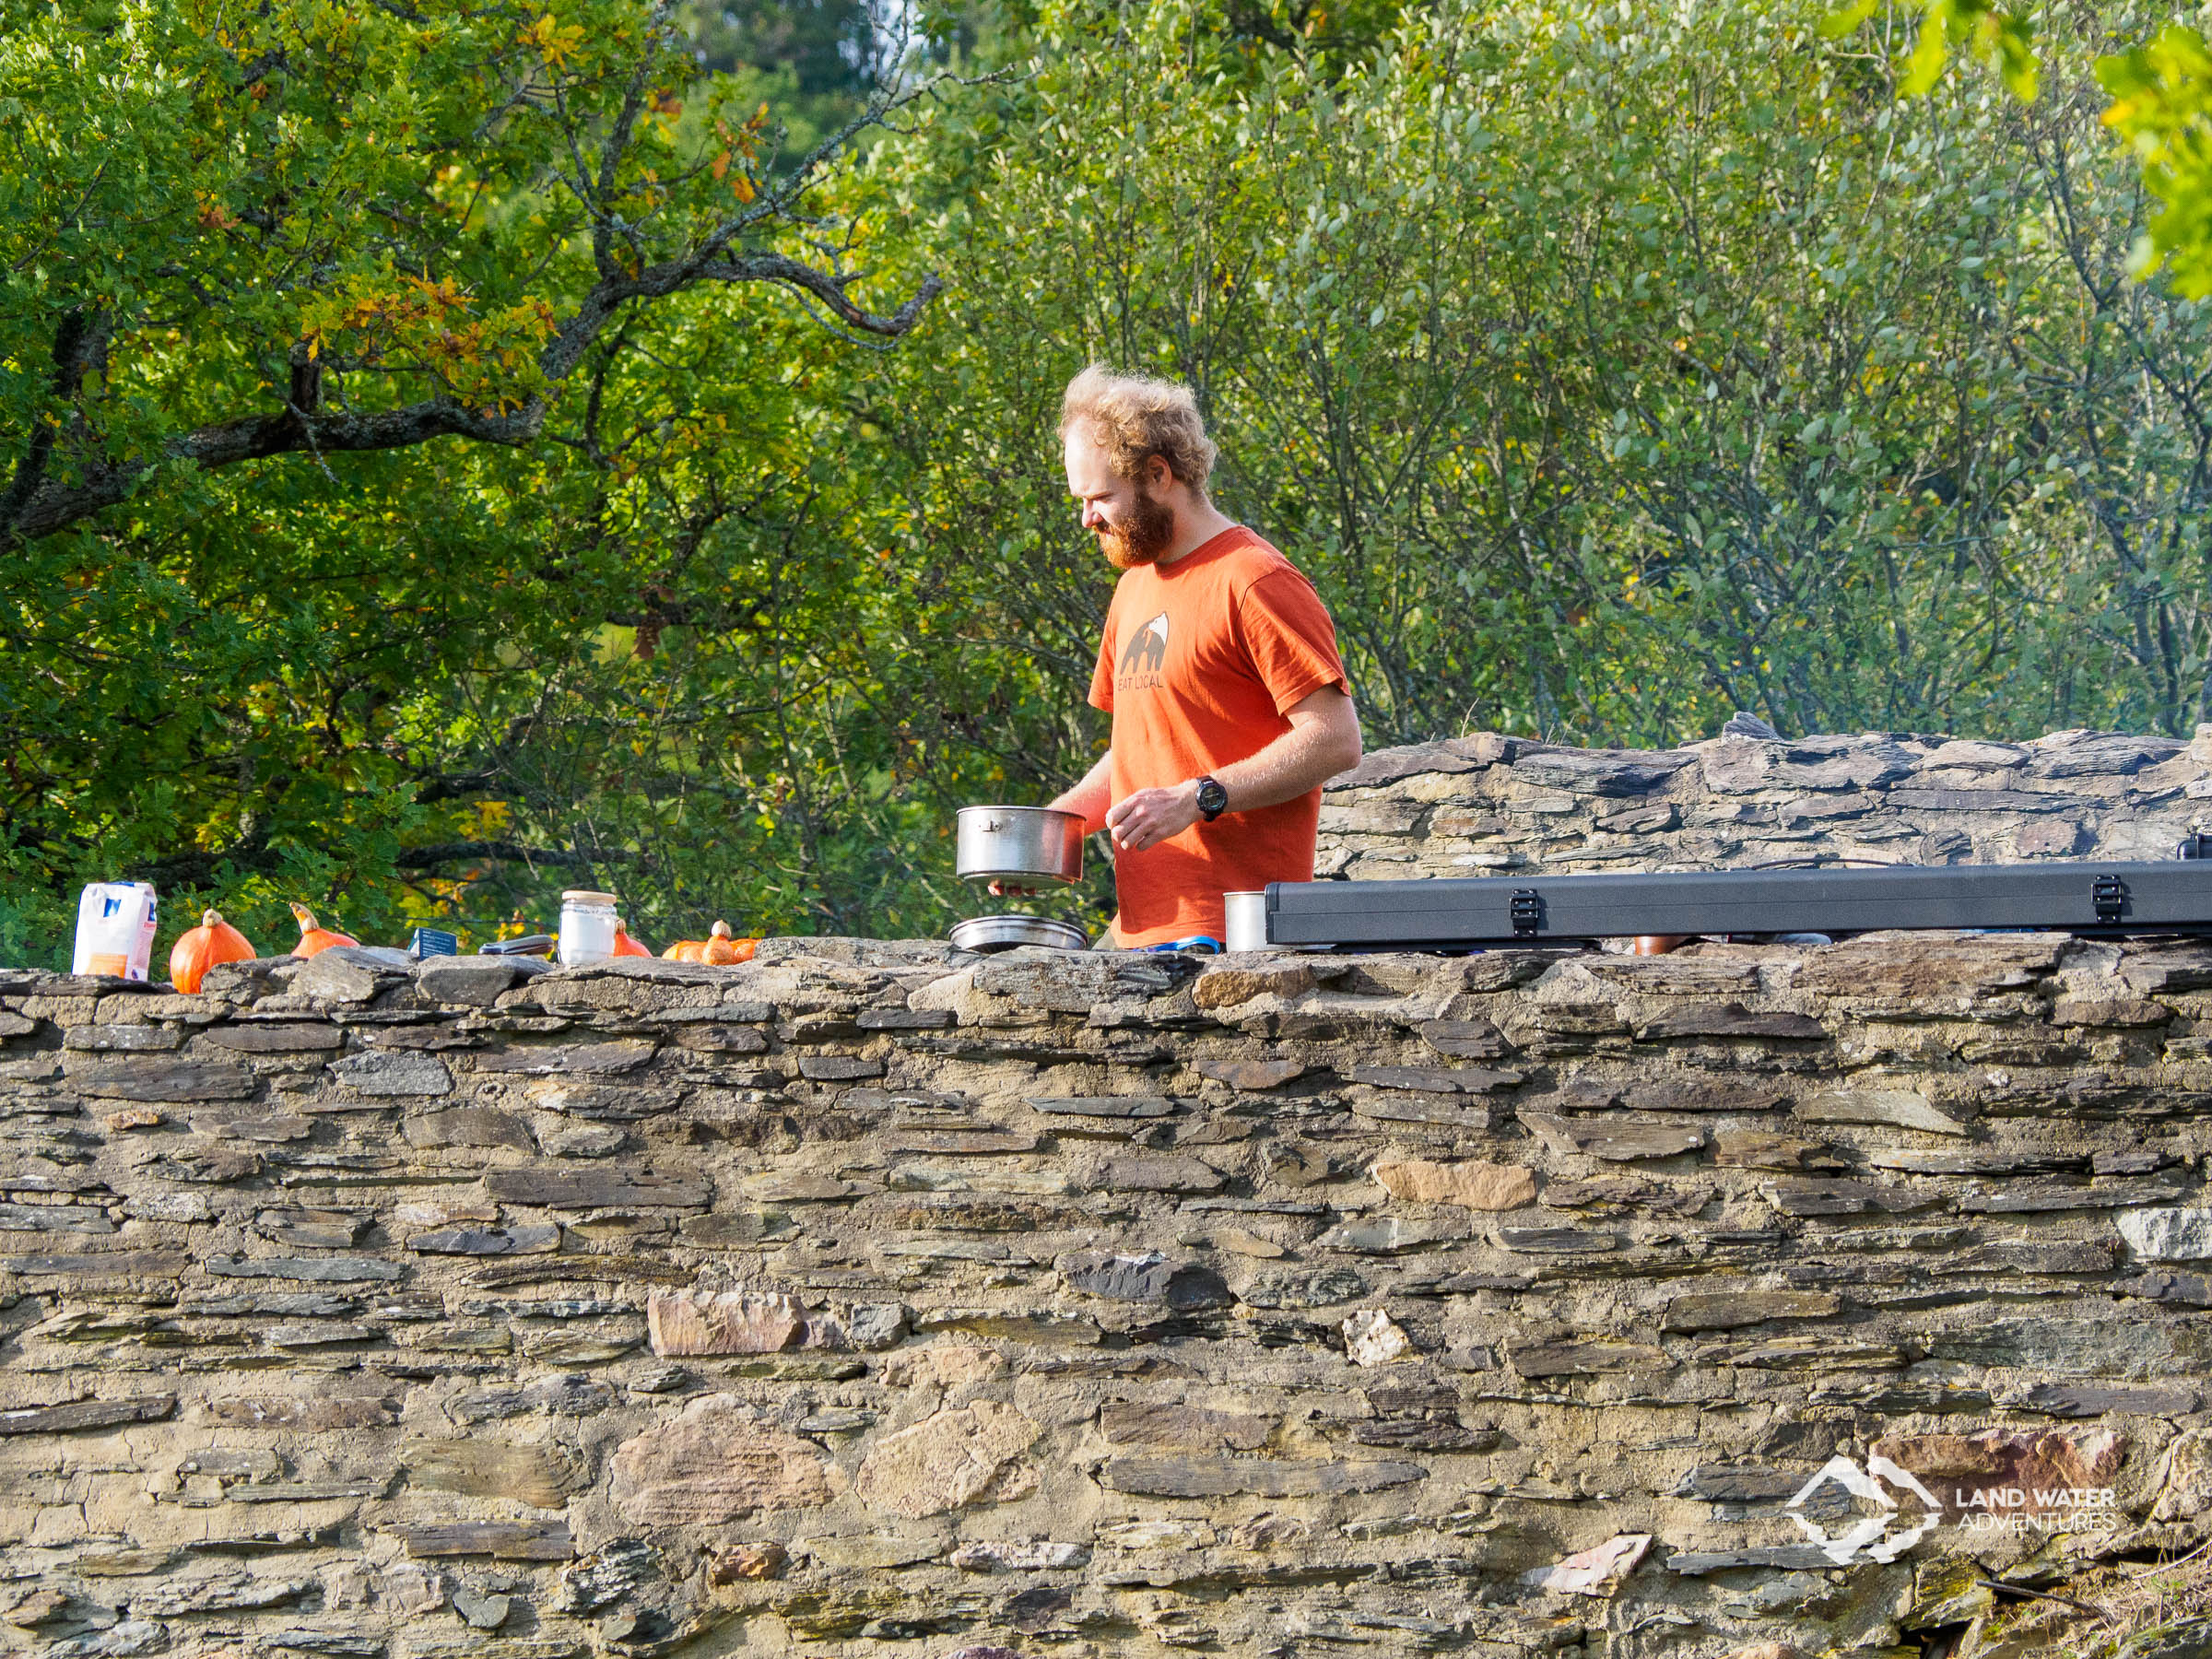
(874, 1300)
(1488, 803)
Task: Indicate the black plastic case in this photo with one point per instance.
(2174, 897)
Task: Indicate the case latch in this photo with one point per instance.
(2109, 894)
(1527, 912)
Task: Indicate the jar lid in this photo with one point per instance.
(578, 896)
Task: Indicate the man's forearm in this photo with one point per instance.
(1303, 757)
(1090, 796)
(1323, 740)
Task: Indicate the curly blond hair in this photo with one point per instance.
(1136, 419)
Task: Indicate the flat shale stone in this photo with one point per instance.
(109, 1039)
(151, 1079)
(386, 1074)
(271, 1038)
(502, 1540)
(1616, 1140)
(1431, 1079)
(723, 1039)
(837, 1068)
(1453, 1111)
(1184, 1428)
(585, 1059)
(54, 1218)
(312, 1412)
(550, 1188)
(520, 1240)
(1898, 1108)
(321, 1270)
(1103, 1106)
(1724, 1482)
(1393, 1235)
(1253, 1476)
(1731, 1309)
(1252, 1074)
(2107, 1399)
(1145, 1278)
(1466, 1039)
(1585, 1358)
(1134, 1172)
(472, 982)
(345, 974)
(116, 1263)
(468, 1126)
(1601, 772)
(1846, 1197)
(1729, 1019)
(77, 1415)
(1556, 1241)
(1318, 1288)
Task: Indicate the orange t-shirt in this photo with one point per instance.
(1200, 661)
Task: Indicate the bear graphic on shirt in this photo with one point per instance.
(1145, 652)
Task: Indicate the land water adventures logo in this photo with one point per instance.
(1907, 1508)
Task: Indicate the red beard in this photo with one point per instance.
(1144, 538)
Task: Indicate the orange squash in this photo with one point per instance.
(315, 938)
(717, 949)
(626, 945)
(200, 948)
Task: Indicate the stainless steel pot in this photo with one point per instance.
(1021, 844)
(1004, 933)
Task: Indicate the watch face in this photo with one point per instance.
(1212, 798)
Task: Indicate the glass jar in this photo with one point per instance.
(587, 927)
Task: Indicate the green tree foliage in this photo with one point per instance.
(329, 363)
(2161, 103)
(1609, 370)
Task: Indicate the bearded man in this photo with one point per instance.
(1220, 666)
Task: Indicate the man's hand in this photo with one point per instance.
(1152, 816)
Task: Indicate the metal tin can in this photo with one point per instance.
(1245, 916)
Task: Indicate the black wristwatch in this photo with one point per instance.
(1213, 800)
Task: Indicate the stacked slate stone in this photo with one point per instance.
(1488, 804)
(875, 1299)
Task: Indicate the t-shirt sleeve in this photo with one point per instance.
(1291, 641)
(1101, 677)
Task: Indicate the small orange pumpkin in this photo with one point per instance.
(717, 949)
(626, 945)
(315, 938)
(200, 948)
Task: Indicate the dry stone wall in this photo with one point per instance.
(1488, 803)
(873, 1298)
